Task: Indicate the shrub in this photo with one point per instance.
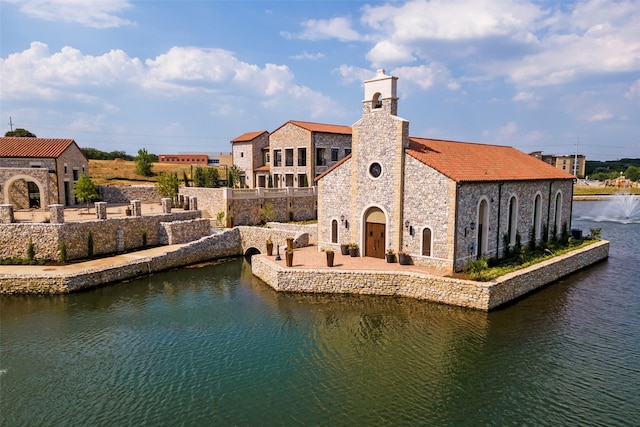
(476, 266)
(90, 245)
(144, 239)
(63, 251)
(31, 251)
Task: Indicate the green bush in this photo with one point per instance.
(90, 245)
(31, 251)
(63, 251)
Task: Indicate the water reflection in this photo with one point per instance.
(215, 345)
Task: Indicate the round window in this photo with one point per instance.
(375, 170)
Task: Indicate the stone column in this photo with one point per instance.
(101, 210)
(6, 214)
(193, 203)
(57, 214)
(136, 208)
(166, 205)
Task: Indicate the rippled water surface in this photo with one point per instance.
(214, 346)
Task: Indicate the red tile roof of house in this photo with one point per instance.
(33, 147)
(264, 168)
(464, 161)
(248, 136)
(320, 127)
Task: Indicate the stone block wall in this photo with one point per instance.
(109, 236)
(177, 232)
(13, 186)
(127, 193)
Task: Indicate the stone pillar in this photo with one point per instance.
(101, 210)
(57, 214)
(136, 208)
(193, 203)
(6, 214)
(166, 205)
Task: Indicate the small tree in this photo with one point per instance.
(85, 190)
(168, 185)
(22, 133)
(234, 176)
(632, 173)
(144, 162)
(185, 178)
(267, 213)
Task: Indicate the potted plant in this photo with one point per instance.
(353, 249)
(127, 211)
(404, 258)
(269, 246)
(390, 256)
(229, 221)
(289, 243)
(344, 249)
(289, 257)
(330, 256)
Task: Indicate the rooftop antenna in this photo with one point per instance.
(11, 123)
(575, 159)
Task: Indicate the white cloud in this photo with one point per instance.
(86, 122)
(310, 56)
(95, 14)
(508, 130)
(634, 90)
(35, 73)
(424, 77)
(350, 74)
(323, 29)
(600, 115)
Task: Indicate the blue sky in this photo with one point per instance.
(189, 76)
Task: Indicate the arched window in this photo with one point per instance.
(334, 231)
(537, 214)
(557, 218)
(376, 102)
(513, 220)
(483, 228)
(426, 242)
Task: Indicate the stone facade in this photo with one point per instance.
(247, 152)
(465, 293)
(176, 232)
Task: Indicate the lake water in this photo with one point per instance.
(215, 346)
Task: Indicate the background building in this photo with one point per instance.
(566, 163)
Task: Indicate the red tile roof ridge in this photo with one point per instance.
(341, 161)
(319, 127)
(11, 146)
(248, 136)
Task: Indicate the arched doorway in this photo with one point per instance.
(25, 192)
(375, 233)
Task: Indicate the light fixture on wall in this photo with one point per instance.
(472, 225)
(342, 219)
(406, 224)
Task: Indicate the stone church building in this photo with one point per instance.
(442, 202)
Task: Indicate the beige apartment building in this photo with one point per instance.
(566, 163)
(293, 155)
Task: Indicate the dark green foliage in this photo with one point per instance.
(90, 245)
(564, 234)
(532, 239)
(610, 166)
(476, 266)
(22, 133)
(545, 233)
(185, 178)
(206, 177)
(507, 246)
(85, 190)
(31, 251)
(270, 183)
(144, 163)
(632, 173)
(267, 213)
(305, 181)
(168, 185)
(144, 239)
(95, 154)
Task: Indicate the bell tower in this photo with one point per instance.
(380, 94)
(379, 139)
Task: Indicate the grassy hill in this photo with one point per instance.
(122, 172)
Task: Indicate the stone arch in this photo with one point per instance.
(512, 228)
(537, 216)
(251, 252)
(44, 198)
(376, 101)
(557, 217)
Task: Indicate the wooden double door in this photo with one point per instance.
(375, 240)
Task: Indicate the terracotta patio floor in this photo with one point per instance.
(310, 258)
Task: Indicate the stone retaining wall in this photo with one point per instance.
(464, 293)
(172, 233)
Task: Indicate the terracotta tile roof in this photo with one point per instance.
(320, 127)
(248, 136)
(33, 147)
(265, 168)
(464, 161)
